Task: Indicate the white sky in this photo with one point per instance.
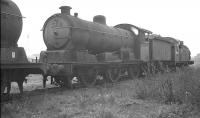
(175, 18)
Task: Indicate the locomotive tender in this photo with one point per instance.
(90, 51)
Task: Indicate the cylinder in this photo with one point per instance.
(11, 23)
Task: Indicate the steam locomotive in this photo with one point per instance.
(91, 52)
(14, 63)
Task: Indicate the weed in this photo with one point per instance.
(141, 89)
(105, 114)
(182, 86)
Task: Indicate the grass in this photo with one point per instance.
(105, 114)
(117, 100)
(181, 87)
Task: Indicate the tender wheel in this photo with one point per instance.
(161, 67)
(153, 69)
(3, 81)
(166, 68)
(146, 70)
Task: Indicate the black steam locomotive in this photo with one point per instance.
(14, 62)
(91, 52)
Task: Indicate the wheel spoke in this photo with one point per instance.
(88, 77)
(133, 72)
(63, 81)
(114, 74)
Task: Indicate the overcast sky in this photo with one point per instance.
(175, 18)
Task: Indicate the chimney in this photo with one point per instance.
(65, 10)
(100, 19)
(75, 14)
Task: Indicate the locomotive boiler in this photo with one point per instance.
(66, 32)
(11, 23)
(11, 28)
